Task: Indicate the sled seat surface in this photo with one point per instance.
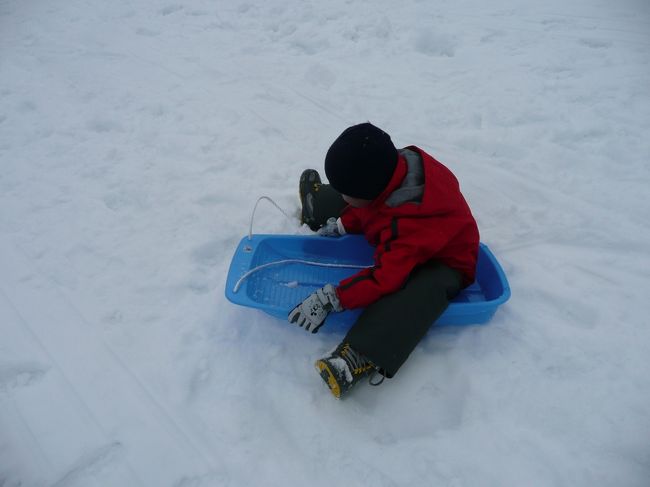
(278, 287)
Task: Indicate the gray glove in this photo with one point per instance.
(311, 313)
(330, 229)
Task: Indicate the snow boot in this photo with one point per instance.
(310, 183)
(343, 368)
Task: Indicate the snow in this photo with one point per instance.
(134, 141)
(342, 366)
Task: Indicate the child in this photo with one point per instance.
(409, 206)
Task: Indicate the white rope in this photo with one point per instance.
(285, 261)
(250, 227)
(294, 261)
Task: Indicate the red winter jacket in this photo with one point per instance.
(439, 226)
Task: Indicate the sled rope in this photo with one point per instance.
(285, 261)
(250, 227)
(293, 261)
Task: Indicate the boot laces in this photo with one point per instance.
(358, 363)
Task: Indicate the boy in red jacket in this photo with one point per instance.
(410, 208)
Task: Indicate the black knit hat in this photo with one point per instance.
(361, 161)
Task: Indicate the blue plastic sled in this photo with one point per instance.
(275, 272)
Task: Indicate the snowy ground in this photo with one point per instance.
(134, 139)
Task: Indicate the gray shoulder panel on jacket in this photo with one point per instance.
(412, 188)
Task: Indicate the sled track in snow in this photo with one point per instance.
(103, 393)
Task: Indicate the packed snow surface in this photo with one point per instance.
(135, 138)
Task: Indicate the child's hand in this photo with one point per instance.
(330, 229)
(311, 313)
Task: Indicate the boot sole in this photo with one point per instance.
(329, 378)
(306, 184)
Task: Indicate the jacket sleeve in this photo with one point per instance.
(408, 243)
(389, 274)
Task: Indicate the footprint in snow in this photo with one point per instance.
(170, 9)
(14, 376)
(435, 44)
(143, 31)
(596, 43)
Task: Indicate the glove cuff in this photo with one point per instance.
(330, 292)
(340, 227)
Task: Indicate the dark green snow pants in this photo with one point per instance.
(389, 329)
